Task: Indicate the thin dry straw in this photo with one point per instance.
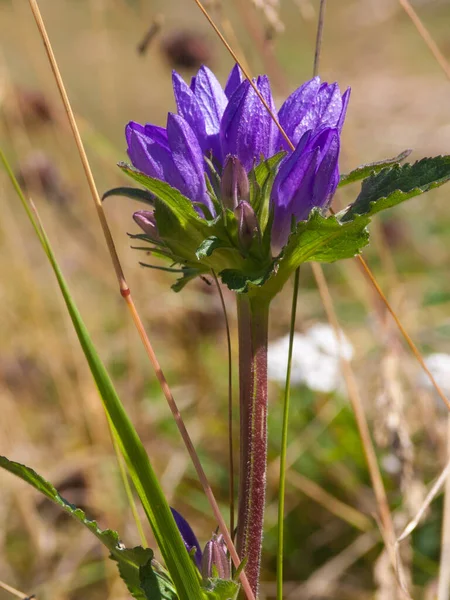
(436, 487)
(387, 530)
(426, 36)
(444, 567)
(125, 292)
(360, 258)
(14, 592)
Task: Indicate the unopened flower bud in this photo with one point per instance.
(215, 562)
(248, 226)
(235, 186)
(147, 222)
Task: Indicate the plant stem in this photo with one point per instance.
(253, 320)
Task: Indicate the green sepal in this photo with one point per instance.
(129, 560)
(213, 182)
(396, 184)
(261, 180)
(221, 589)
(189, 274)
(134, 193)
(364, 171)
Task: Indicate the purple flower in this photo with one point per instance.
(189, 538)
(306, 179)
(219, 123)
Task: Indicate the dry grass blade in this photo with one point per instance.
(444, 569)
(319, 37)
(426, 36)
(125, 291)
(14, 592)
(403, 331)
(436, 487)
(363, 427)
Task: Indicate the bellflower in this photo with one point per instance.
(214, 124)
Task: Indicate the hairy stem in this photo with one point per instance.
(253, 318)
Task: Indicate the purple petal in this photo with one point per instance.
(189, 539)
(235, 78)
(188, 158)
(345, 100)
(247, 129)
(327, 175)
(130, 127)
(292, 188)
(150, 157)
(294, 110)
(312, 106)
(158, 134)
(329, 105)
(212, 103)
(211, 98)
(307, 178)
(189, 108)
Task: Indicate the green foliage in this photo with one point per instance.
(208, 246)
(320, 239)
(396, 184)
(131, 562)
(364, 171)
(222, 589)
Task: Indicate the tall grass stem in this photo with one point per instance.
(284, 441)
(230, 407)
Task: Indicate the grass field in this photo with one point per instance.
(50, 415)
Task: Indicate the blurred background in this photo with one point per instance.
(116, 58)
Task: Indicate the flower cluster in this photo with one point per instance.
(231, 131)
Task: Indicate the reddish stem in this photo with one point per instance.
(253, 318)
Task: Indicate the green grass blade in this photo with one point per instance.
(178, 562)
(284, 442)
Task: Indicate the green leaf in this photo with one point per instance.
(320, 239)
(240, 282)
(178, 223)
(133, 193)
(364, 171)
(208, 246)
(153, 585)
(157, 510)
(129, 560)
(188, 275)
(396, 184)
(222, 589)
